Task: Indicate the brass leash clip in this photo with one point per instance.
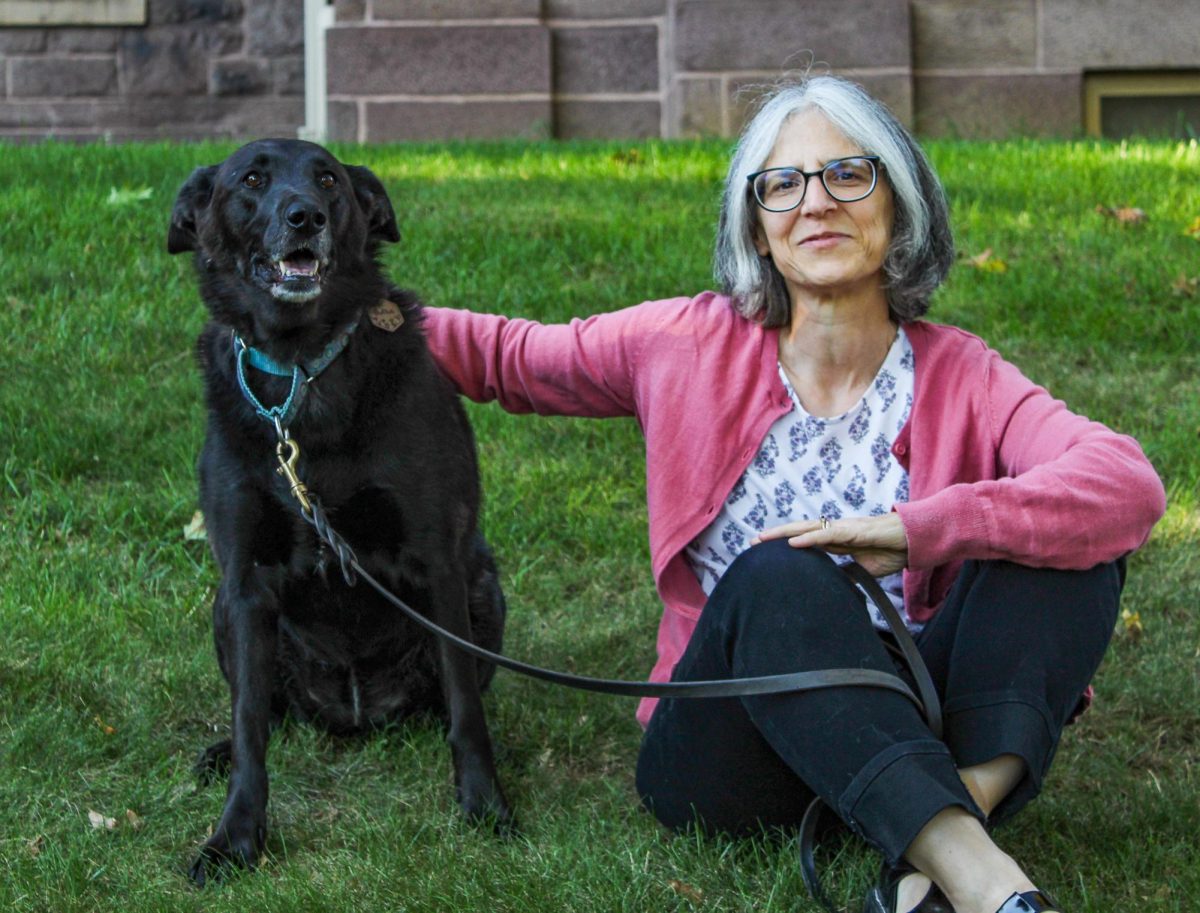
(287, 469)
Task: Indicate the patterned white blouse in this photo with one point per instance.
(809, 467)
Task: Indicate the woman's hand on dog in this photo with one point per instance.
(879, 544)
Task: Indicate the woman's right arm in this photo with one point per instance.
(581, 368)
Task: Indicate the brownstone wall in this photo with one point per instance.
(434, 69)
(196, 69)
(425, 69)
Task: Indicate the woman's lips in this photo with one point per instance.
(823, 240)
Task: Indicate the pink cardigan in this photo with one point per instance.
(998, 469)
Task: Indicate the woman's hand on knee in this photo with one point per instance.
(879, 544)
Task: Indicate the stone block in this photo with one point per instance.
(603, 9)
(341, 121)
(438, 60)
(893, 89)
(698, 106)
(235, 117)
(1094, 34)
(456, 9)
(439, 120)
(83, 41)
(22, 41)
(782, 34)
(274, 28)
(173, 12)
(953, 34)
(240, 76)
(287, 75)
(999, 107)
(172, 60)
(350, 10)
(595, 60)
(607, 119)
(63, 77)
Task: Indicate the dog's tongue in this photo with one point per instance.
(298, 265)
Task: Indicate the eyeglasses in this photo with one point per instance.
(845, 180)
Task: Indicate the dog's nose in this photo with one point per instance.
(305, 217)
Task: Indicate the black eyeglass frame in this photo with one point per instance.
(876, 167)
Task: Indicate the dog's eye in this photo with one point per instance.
(253, 179)
(327, 180)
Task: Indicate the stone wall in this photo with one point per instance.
(196, 69)
(436, 69)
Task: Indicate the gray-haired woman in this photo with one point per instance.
(807, 416)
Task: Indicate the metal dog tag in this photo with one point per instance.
(386, 315)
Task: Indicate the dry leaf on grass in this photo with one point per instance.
(101, 823)
(35, 845)
(1194, 229)
(104, 727)
(1126, 215)
(695, 895)
(1185, 286)
(985, 262)
(195, 531)
(134, 820)
(1133, 624)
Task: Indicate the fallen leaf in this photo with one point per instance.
(133, 819)
(1185, 286)
(36, 845)
(195, 531)
(695, 895)
(104, 727)
(100, 823)
(127, 195)
(1194, 228)
(1133, 623)
(1127, 215)
(987, 263)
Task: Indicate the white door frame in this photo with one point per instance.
(318, 16)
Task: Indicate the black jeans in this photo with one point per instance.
(1011, 651)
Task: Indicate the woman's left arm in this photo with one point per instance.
(1071, 492)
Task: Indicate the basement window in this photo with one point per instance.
(1162, 105)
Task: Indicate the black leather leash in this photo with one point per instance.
(927, 702)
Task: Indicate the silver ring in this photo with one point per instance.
(824, 522)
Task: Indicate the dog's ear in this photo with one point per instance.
(368, 189)
(193, 196)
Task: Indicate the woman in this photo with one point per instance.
(807, 413)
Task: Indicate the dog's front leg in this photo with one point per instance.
(477, 787)
(246, 630)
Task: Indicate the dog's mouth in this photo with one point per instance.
(294, 277)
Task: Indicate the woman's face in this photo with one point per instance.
(824, 247)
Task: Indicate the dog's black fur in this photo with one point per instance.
(385, 445)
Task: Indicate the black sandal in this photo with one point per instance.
(884, 894)
(1029, 902)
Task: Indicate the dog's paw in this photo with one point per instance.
(486, 807)
(213, 762)
(225, 854)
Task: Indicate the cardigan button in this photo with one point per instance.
(899, 450)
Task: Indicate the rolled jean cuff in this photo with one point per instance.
(899, 791)
(985, 726)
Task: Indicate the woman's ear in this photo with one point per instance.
(760, 240)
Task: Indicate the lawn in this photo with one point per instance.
(1081, 263)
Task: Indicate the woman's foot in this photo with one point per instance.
(902, 889)
(1029, 902)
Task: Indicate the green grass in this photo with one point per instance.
(108, 684)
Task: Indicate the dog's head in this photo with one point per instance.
(283, 220)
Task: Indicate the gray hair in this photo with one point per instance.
(922, 247)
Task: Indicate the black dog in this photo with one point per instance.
(285, 240)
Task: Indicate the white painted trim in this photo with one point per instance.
(72, 12)
(318, 16)
(443, 99)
